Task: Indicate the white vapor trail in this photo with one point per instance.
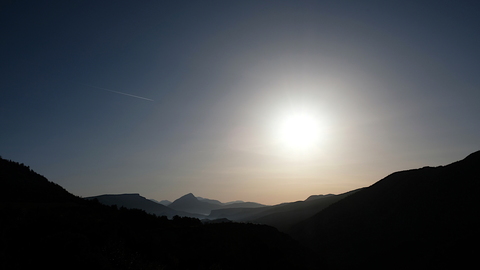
(121, 93)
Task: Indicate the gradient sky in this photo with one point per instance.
(164, 98)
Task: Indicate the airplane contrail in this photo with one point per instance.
(117, 92)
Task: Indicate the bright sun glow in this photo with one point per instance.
(300, 131)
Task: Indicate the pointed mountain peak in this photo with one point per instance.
(187, 197)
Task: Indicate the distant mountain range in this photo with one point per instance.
(221, 203)
(135, 201)
(190, 203)
(416, 219)
(163, 202)
(44, 226)
(185, 206)
(281, 216)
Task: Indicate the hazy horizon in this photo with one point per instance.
(263, 101)
(199, 196)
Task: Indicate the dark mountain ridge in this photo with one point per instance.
(24, 185)
(285, 216)
(135, 201)
(321, 196)
(422, 219)
(209, 200)
(237, 203)
(281, 216)
(65, 231)
(190, 203)
(427, 215)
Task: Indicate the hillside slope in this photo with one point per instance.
(287, 215)
(281, 216)
(423, 217)
(63, 231)
(21, 184)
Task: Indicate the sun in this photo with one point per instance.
(300, 131)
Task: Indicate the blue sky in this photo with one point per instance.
(393, 84)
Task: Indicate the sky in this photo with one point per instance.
(164, 98)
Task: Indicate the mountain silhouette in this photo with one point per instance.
(241, 204)
(135, 201)
(287, 215)
(422, 219)
(234, 204)
(67, 232)
(209, 201)
(190, 203)
(196, 205)
(410, 219)
(314, 197)
(25, 185)
(162, 202)
(281, 216)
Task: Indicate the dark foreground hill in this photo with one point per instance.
(422, 219)
(20, 184)
(44, 226)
